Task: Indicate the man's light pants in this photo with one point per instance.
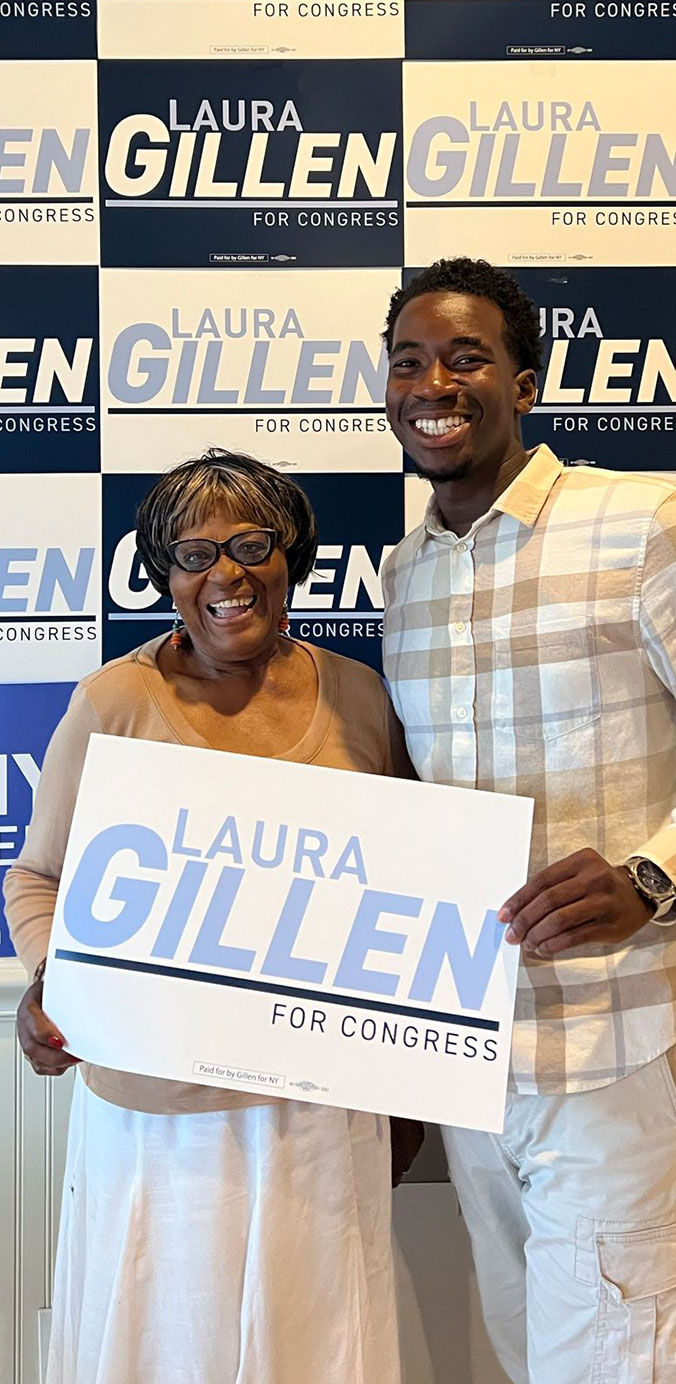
(572, 1217)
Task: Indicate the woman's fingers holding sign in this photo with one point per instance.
(40, 1039)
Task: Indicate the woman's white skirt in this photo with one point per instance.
(247, 1246)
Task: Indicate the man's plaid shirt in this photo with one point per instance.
(537, 655)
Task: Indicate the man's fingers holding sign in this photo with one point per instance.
(581, 899)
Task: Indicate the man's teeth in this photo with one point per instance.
(436, 427)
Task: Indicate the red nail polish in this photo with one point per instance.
(55, 1042)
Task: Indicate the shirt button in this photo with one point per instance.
(461, 547)
(462, 713)
(460, 627)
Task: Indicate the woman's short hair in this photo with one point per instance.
(251, 491)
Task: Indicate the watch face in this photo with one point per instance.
(655, 881)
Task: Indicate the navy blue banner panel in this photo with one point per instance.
(607, 394)
(576, 30)
(223, 164)
(28, 716)
(339, 607)
(608, 389)
(49, 368)
(133, 612)
(47, 29)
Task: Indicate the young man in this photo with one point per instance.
(530, 646)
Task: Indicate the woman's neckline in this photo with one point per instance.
(168, 705)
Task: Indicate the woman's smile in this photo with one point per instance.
(232, 608)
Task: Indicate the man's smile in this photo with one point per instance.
(438, 427)
(447, 429)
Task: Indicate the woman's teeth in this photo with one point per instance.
(436, 427)
(238, 602)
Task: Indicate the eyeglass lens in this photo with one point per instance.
(198, 554)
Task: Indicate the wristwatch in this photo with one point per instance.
(653, 884)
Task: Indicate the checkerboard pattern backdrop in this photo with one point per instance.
(204, 207)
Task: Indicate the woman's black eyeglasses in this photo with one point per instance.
(247, 549)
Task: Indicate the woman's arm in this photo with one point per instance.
(31, 884)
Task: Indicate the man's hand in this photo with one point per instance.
(577, 900)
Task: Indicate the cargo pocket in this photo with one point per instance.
(636, 1322)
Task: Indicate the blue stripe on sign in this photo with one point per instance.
(119, 963)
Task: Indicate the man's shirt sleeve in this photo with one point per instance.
(657, 627)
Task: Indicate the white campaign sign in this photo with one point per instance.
(293, 395)
(284, 928)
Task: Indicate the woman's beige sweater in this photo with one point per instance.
(353, 727)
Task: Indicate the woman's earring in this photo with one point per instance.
(176, 640)
(283, 625)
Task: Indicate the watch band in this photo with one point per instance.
(662, 906)
(660, 914)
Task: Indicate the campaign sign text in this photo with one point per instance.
(28, 716)
(339, 607)
(50, 577)
(279, 927)
(217, 165)
(607, 389)
(577, 30)
(48, 139)
(252, 29)
(49, 378)
(287, 365)
(543, 165)
(48, 28)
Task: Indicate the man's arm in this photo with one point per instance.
(657, 623)
(583, 899)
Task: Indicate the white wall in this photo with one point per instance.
(33, 1122)
(442, 1334)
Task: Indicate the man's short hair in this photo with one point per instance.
(480, 280)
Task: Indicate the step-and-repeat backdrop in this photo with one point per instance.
(204, 207)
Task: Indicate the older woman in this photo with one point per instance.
(212, 1236)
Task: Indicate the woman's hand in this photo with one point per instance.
(40, 1039)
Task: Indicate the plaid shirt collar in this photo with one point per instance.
(523, 499)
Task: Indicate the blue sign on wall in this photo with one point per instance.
(360, 518)
(221, 164)
(518, 30)
(49, 380)
(133, 612)
(608, 387)
(28, 716)
(52, 29)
